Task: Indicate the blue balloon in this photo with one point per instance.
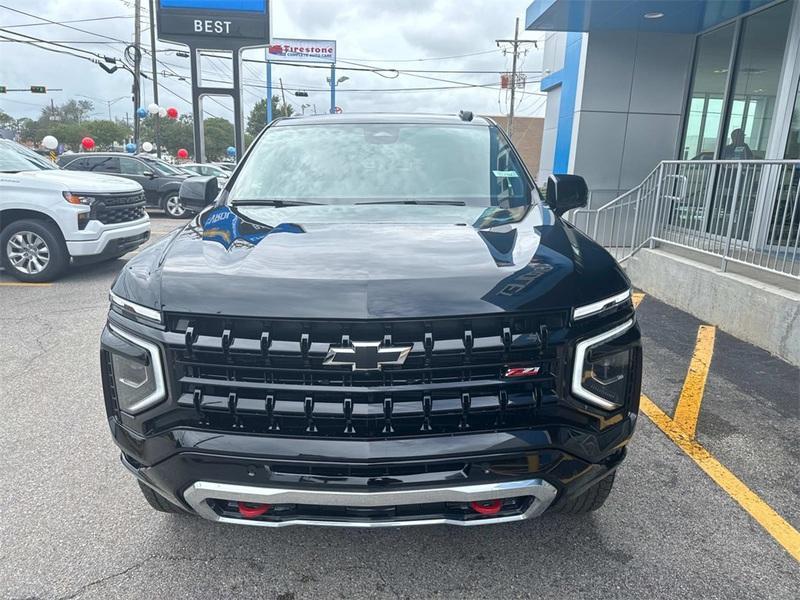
(231, 151)
(130, 147)
(141, 112)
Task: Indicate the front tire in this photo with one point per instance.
(33, 251)
(173, 207)
(589, 501)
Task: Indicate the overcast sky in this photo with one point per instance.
(381, 33)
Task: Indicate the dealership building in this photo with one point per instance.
(684, 118)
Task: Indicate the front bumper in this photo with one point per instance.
(107, 240)
(373, 484)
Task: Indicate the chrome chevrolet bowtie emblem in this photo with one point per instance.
(366, 356)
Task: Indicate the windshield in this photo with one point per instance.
(458, 166)
(164, 168)
(18, 158)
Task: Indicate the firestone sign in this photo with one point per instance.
(303, 50)
(214, 24)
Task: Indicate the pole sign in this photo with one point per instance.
(292, 50)
(214, 24)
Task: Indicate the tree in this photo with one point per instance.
(258, 116)
(173, 134)
(7, 120)
(219, 135)
(105, 133)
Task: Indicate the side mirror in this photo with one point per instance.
(565, 192)
(149, 174)
(198, 192)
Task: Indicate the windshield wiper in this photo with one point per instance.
(425, 202)
(278, 203)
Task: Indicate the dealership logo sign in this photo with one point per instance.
(303, 50)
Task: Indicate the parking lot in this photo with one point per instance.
(712, 515)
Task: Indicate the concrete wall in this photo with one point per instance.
(762, 314)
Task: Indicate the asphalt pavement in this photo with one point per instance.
(73, 523)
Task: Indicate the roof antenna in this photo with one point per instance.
(465, 115)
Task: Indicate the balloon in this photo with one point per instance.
(162, 112)
(183, 153)
(141, 112)
(153, 108)
(130, 147)
(147, 147)
(231, 151)
(87, 143)
(172, 112)
(50, 142)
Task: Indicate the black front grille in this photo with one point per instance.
(270, 376)
(111, 209)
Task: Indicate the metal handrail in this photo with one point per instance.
(740, 211)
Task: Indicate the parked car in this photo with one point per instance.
(395, 330)
(226, 166)
(207, 170)
(160, 180)
(49, 216)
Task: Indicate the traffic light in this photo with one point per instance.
(2, 89)
(38, 89)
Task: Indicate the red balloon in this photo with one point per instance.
(172, 113)
(87, 143)
(183, 153)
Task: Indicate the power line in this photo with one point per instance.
(40, 24)
(405, 60)
(27, 14)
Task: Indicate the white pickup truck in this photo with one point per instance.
(49, 217)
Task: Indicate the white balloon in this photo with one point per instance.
(147, 147)
(153, 108)
(50, 142)
(162, 112)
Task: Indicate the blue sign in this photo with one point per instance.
(224, 5)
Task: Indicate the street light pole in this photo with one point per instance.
(137, 59)
(155, 73)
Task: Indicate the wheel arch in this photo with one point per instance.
(10, 215)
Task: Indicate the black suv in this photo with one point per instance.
(160, 180)
(378, 322)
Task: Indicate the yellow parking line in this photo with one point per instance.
(786, 535)
(20, 284)
(637, 299)
(687, 410)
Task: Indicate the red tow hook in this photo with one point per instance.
(487, 507)
(251, 511)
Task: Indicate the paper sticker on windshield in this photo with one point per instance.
(506, 174)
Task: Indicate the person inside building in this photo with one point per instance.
(737, 149)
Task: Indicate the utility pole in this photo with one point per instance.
(137, 65)
(515, 44)
(283, 97)
(155, 73)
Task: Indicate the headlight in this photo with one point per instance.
(137, 309)
(137, 372)
(581, 312)
(78, 198)
(600, 372)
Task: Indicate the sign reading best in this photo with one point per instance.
(222, 24)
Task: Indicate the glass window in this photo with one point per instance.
(755, 83)
(710, 75)
(131, 166)
(102, 164)
(793, 143)
(370, 163)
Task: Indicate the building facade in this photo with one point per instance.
(634, 82)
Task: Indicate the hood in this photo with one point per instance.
(222, 263)
(78, 181)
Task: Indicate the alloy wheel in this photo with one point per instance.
(174, 206)
(28, 252)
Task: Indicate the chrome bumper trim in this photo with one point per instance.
(542, 492)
